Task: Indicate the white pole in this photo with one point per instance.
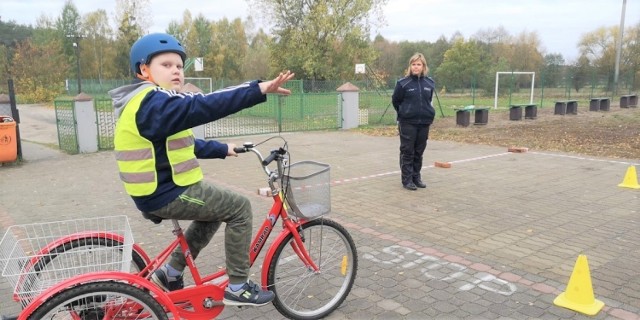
(495, 104)
(619, 47)
(533, 80)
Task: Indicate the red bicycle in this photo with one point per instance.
(310, 266)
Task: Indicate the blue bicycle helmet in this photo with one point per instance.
(148, 46)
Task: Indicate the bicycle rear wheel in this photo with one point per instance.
(302, 293)
(100, 300)
(53, 266)
(86, 245)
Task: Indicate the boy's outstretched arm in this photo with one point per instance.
(275, 85)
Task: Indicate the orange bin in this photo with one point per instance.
(8, 143)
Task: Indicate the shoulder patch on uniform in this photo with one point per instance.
(404, 81)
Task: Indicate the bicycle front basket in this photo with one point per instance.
(307, 189)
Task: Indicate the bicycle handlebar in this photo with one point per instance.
(273, 155)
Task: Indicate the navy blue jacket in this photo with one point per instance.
(166, 112)
(412, 100)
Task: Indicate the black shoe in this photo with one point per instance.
(410, 186)
(162, 279)
(420, 184)
(249, 295)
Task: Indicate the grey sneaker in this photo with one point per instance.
(162, 279)
(249, 295)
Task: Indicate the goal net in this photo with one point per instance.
(512, 73)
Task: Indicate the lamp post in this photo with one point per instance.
(76, 45)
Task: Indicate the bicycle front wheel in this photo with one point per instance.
(100, 300)
(301, 292)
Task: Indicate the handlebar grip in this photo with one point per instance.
(239, 150)
(270, 158)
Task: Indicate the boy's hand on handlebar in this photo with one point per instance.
(275, 85)
(230, 149)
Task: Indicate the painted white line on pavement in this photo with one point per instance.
(584, 158)
(371, 176)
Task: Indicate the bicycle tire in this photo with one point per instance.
(40, 266)
(301, 293)
(100, 300)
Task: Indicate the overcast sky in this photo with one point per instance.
(559, 23)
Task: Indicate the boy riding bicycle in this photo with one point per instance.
(156, 153)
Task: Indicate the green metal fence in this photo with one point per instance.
(316, 105)
(296, 112)
(66, 122)
(106, 120)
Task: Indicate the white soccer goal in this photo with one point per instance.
(202, 83)
(533, 79)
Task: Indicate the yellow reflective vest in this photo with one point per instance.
(136, 156)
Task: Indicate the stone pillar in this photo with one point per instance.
(86, 126)
(350, 95)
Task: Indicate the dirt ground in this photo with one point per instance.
(614, 133)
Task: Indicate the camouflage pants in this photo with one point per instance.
(208, 206)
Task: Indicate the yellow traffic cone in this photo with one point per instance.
(630, 179)
(579, 293)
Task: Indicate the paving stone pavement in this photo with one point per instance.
(495, 236)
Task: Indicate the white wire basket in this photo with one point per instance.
(34, 257)
(307, 188)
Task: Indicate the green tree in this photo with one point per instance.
(630, 65)
(180, 29)
(387, 65)
(68, 26)
(195, 36)
(45, 31)
(488, 84)
(581, 72)
(552, 70)
(435, 52)
(256, 61)
(599, 47)
(97, 46)
(39, 71)
(461, 63)
(10, 35)
(496, 46)
(132, 17)
(526, 56)
(228, 49)
(199, 37)
(321, 39)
